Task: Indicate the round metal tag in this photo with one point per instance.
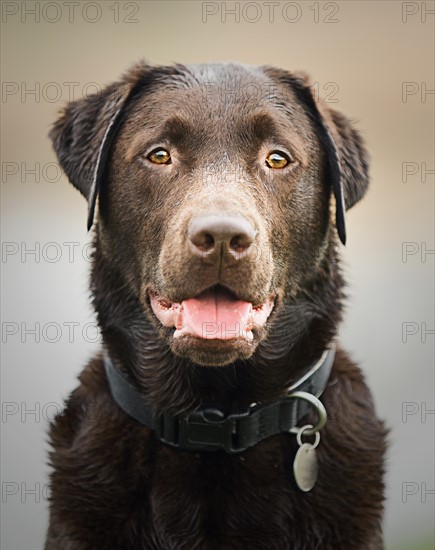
(305, 467)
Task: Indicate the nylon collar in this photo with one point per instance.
(209, 429)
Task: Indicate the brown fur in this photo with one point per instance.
(113, 485)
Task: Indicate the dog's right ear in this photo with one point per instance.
(346, 152)
(344, 147)
(83, 134)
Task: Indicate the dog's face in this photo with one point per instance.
(214, 195)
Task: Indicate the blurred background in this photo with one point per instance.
(374, 61)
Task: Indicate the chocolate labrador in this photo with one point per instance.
(220, 413)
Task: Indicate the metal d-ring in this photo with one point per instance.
(320, 409)
(304, 429)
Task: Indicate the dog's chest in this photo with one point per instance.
(142, 494)
(215, 500)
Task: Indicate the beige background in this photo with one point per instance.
(362, 60)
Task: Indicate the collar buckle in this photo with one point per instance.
(205, 430)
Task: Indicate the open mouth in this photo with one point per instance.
(215, 314)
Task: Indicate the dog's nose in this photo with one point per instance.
(211, 234)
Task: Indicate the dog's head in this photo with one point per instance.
(215, 187)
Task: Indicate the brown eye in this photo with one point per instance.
(277, 160)
(160, 156)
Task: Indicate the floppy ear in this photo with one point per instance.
(82, 136)
(347, 157)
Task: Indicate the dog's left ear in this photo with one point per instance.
(347, 156)
(83, 134)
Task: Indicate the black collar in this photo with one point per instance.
(209, 429)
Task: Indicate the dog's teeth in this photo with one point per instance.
(179, 320)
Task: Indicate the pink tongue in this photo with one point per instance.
(216, 314)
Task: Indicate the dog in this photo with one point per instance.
(221, 412)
